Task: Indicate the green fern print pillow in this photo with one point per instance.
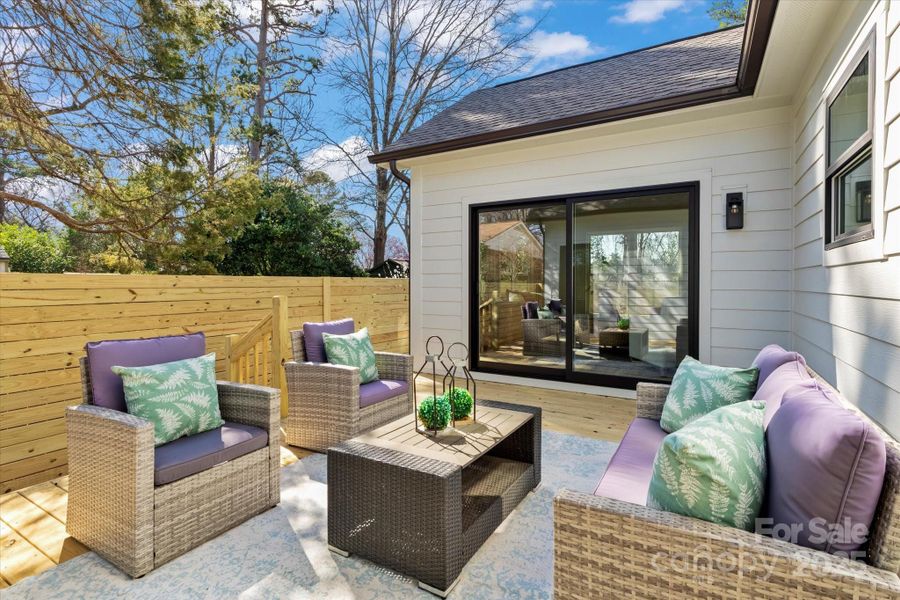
(698, 389)
(180, 398)
(715, 468)
(352, 350)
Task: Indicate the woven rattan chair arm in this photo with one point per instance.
(669, 553)
(394, 366)
(650, 399)
(339, 383)
(110, 505)
(108, 419)
(250, 404)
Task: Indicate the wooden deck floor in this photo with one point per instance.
(32, 520)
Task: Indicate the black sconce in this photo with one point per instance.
(734, 210)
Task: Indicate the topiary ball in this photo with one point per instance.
(461, 402)
(435, 412)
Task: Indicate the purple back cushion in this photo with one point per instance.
(106, 386)
(782, 379)
(312, 337)
(771, 357)
(532, 310)
(825, 463)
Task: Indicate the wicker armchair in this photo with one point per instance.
(612, 549)
(541, 337)
(116, 509)
(323, 399)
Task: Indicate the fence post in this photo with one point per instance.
(326, 298)
(230, 372)
(280, 347)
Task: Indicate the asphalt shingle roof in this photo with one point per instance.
(701, 63)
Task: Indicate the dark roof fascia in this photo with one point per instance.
(756, 36)
(760, 17)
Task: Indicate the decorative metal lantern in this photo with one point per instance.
(461, 361)
(433, 359)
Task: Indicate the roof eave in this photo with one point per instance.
(760, 16)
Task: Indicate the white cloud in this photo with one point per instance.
(556, 45)
(340, 161)
(646, 11)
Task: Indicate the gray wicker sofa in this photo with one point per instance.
(325, 406)
(610, 548)
(116, 505)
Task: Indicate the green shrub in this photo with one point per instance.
(33, 251)
(624, 323)
(461, 402)
(435, 412)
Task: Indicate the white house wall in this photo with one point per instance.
(846, 303)
(745, 275)
(771, 281)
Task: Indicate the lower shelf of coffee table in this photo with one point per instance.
(491, 489)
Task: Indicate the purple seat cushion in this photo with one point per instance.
(193, 454)
(380, 389)
(627, 477)
(106, 386)
(771, 357)
(825, 462)
(312, 337)
(781, 380)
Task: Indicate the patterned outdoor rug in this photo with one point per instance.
(283, 554)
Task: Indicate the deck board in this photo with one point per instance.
(50, 497)
(42, 530)
(18, 558)
(32, 520)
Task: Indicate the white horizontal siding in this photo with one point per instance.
(747, 275)
(846, 317)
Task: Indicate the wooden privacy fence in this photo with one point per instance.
(45, 320)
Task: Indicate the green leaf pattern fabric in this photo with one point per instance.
(698, 389)
(352, 350)
(715, 468)
(180, 398)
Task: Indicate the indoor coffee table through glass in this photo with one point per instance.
(422, 504)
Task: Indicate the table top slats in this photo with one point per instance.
(461, 445)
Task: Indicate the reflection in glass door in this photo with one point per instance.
(631, 285)
(597, 288)
(520, 317)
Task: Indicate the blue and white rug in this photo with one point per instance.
(283, 553)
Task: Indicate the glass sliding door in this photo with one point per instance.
(597, 288)
(631, 285)
(519, 305)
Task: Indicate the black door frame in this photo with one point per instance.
(570, 200)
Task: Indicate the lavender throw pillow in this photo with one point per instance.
(312, 337)
(770, 358)
(826, 470)
(776, 385)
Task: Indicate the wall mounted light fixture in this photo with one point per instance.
(734, 210)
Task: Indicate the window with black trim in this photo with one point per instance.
(848, 191)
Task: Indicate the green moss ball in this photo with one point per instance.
(462, 402)
(435, 412)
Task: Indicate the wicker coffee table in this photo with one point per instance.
(422, 504)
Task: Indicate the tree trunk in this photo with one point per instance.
(262, 60)
(2, 187)
(379, 239)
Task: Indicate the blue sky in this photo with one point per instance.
(574, 31)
